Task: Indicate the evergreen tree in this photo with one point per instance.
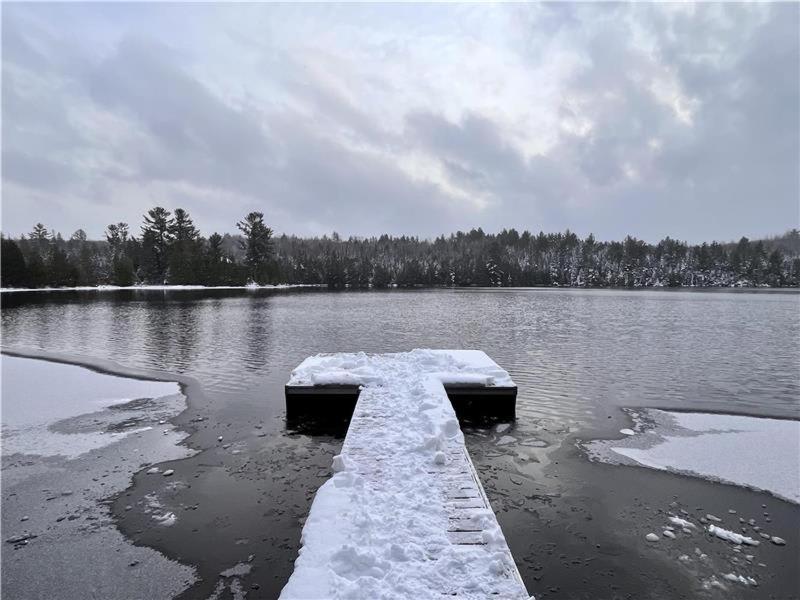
(59, 271)
(775, 275)
(122, 271)
(493, 274)
(155, 244)
(257, 246)
(37, 272)
(740, 259)
(410, 274)
(334, 271)
(81, 255)
(13, 272)
(382, 277)
(758, 262)
(184, 256)
(214, 268)
(39, 234)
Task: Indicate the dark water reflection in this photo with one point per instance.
(570, 351)
(576, 356)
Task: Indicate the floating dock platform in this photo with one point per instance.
(404, 515)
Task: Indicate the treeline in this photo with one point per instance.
(170, 250)
(510, 258)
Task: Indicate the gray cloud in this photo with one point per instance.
(36, 171)
(651, 120)
(195, 135)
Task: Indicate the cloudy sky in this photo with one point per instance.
(649, 120)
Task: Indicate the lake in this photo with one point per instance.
(578, 356)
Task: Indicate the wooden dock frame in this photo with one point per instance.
(338, 400)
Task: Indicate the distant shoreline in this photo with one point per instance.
(287, 286)
(166, 288)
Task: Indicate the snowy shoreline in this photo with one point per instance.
(165, 288)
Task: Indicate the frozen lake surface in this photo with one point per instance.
(72, 439)
(755, 452)
(576, 528)
(39, 394)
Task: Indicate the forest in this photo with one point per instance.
(170, 250)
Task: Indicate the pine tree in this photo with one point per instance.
(492, 274)
(184, 253)
(775, 274)
(40, 239)
(116, 236)
(37, 272)
(155, 244)
(39, 232)
(334, 271)
(13, 271)
(59, 271)
(410, 274)
(81, 254)
(740, 259)
(382, 277)
(257, 246)
(122, 272)
(215, 262)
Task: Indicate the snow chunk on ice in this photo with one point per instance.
(732, 536)
(237, 570)
(682, 523)
(155, 509)
(778, 541)
(740, 579)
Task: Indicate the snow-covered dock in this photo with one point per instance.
(404, 515)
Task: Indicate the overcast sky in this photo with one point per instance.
(649, 120)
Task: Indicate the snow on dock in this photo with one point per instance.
(404, 515)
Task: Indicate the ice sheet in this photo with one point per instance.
(754, 452)
(37, 395)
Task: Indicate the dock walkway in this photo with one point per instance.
(404, 515)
